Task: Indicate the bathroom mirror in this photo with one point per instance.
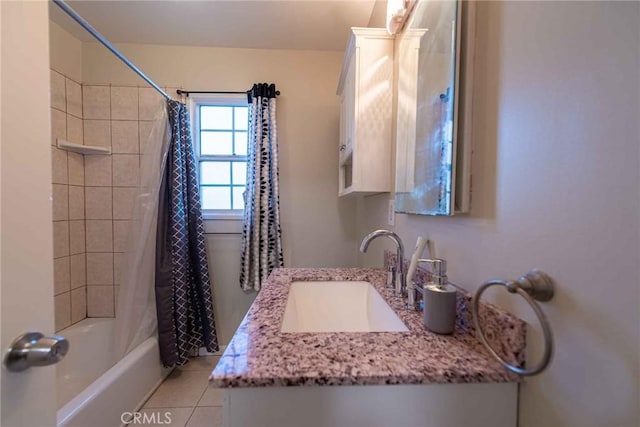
(433, 114)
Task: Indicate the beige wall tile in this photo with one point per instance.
(58, 91)
(123, 198)
(118, 259)
(126, 168)
(77, 237)
(78, 304)
(76, 202)
(146, 129)
(59, 166)
(100, 268)
(75, 132)
(96, 102)
(60, 239)
(125, 136)
(100, 301)
(121, 235)
(99, 236)
(124, 103)
(74, 98)
(61, 275)
(58, 125)
(150, 103)
(116, 295)
(60, 202)
(98, 202)
(97, 133)
(76, 169)
(97, 170)
(62, 313)
(78, 270)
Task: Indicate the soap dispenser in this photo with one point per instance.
(439, 297)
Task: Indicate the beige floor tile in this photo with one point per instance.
(206, 417)
(166, 417)
(181, 389)
(203, 363)
(212, 397)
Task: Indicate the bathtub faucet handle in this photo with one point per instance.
(34, 349)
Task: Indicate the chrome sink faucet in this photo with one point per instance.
(400, 288)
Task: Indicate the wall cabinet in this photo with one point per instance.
(366, 95)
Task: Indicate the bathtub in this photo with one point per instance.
(93, 390)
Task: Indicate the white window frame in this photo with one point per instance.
(194, 111)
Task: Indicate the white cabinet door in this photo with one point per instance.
(350, 107)
(366, 91)
(26, 252)
(347, 114)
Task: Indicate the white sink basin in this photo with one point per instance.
(338, 306)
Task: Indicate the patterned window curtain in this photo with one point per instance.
(184, 302)
(261, 233)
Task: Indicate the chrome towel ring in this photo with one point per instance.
(535, 285)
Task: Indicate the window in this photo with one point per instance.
(220, 136)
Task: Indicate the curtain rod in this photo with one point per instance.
(84, 24)
(187, 92)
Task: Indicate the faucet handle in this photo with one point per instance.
(391, 277)
(438, 266)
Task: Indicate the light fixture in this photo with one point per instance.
(397, 12)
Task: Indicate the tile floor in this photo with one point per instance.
(187, 399)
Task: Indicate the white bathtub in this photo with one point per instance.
(93, 390)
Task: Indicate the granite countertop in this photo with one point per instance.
(259, 355)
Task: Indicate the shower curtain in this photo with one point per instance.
(136, 309)
(261, 233)
(182, 288)
(189, 322)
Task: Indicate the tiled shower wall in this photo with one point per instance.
(93, 194)
(68, 203)
(119, 118)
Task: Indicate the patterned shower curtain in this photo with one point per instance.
(261, 234)
(183, 292)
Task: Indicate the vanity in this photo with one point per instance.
(285, 366)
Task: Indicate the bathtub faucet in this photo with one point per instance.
(400, 288)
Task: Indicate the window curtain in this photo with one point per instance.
(184, 302)
(261, 233)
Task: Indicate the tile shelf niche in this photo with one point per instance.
(82, 149)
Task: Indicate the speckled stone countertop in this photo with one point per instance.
(259, 355)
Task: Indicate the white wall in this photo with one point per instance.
(378, 17)
(65, 52)
(318, 229)
(308, 111)
(555, 186)
(230, 303)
